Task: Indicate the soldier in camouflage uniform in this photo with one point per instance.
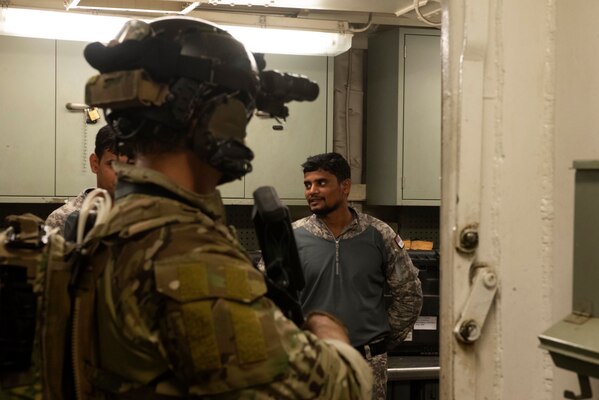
(348, 258)
(100, 162)
(166, 302)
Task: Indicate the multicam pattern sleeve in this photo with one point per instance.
(318, 369)
(251, 351)
(404, 285)
(209, 318)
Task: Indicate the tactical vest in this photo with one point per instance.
(26, 253)
(104, 362)
(47, 318)
(69, 308)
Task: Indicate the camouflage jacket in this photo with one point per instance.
(182, 312)
(58, 217)
(347, 275)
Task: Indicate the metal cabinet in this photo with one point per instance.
(75, 138)
(45, 147)
(404, 117)
(27, 113)
(307, 131)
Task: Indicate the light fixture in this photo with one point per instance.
(260, 34)
(146, 6)
(282, 41)
(283, 35)
(59, 25)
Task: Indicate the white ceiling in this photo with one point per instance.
(378, 12)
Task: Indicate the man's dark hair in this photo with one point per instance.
(105, 140)
(333, 163)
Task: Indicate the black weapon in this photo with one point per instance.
(283, 272)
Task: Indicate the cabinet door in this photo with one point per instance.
(383, 133)
(27, 115)
(75, 138)
(404, 118)
(422, 118)
(280, 153)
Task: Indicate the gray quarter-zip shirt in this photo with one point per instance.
(346, 276)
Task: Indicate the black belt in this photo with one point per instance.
(374, 349)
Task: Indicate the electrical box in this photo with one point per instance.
(572, 342)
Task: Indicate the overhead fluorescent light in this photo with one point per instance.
(275, 35)
(137, 6)
(59, 25)
(282, 41)
(283, 35)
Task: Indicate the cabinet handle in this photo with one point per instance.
(76, 107)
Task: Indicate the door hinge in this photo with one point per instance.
(482, 292)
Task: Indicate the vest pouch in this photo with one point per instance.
(226, 326)
(54, 317)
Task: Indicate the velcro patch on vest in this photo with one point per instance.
(208, 276)
(227, 325)
(202, 341)
(248, 333)
(238, 284)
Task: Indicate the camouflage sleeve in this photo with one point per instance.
(320, 369)
(57, 219)
(404, 286)
(224, 337)
(361, 386)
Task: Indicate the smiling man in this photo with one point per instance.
(347, 258)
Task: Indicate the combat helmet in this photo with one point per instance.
(178, 81)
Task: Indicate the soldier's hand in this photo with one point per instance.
(326, 326)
